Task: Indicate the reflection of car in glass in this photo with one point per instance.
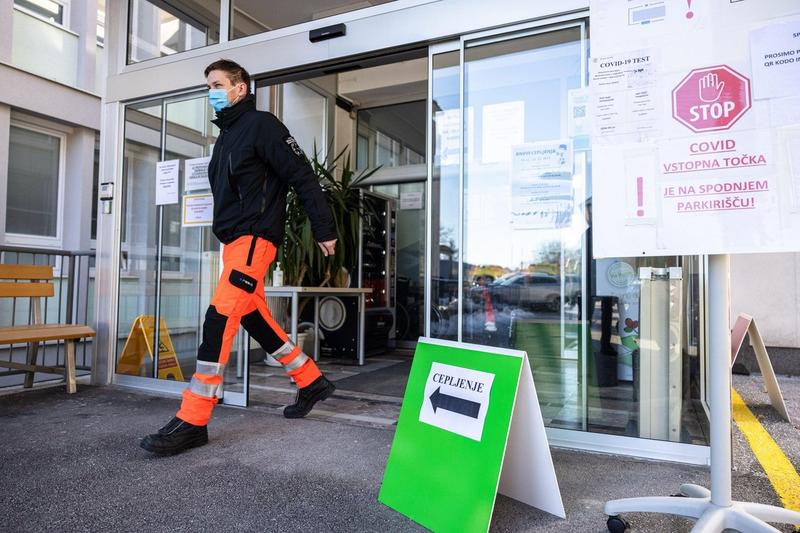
(528, 289)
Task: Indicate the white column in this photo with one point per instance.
(107, 270)
(6, 33)
(720, 378)
(83, 21)
(79, 175)
(5, 130)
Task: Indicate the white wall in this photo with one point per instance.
(83, 21)
(25, 91)
(74, 111)
(765, 286)
(344, 134)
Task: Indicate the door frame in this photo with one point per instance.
(152, 382)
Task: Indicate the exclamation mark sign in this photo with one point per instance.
(690, 13)
(640, 196)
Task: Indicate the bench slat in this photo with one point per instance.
(26, 272)
(46, 332)
(21, 290)
(34, 368)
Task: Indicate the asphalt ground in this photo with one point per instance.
(73, 463)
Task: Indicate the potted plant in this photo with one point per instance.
(301, 259)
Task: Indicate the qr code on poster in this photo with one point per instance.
(579, 111)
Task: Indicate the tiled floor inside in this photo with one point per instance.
(368, 395)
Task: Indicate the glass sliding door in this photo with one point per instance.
(510, 233)
(305, 107)
(139, 233)
(523, 222)
(170, 265)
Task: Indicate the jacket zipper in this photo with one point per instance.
(251, 251)
(234, 187)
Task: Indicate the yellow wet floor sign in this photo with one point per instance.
(140, 342)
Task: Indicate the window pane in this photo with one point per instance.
(33, 183)
(138, 246)
(397, 133)
(167, 29)
(250, 17)
(190, 255)
(101, 21)
(304, 113)
(44, 8)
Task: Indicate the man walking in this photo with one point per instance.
(254, 162)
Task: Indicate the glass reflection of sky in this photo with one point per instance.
(539, 79)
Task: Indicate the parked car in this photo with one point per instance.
(527, 290)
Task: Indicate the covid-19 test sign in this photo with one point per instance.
(696, 136)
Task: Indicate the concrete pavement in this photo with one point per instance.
(73, 463)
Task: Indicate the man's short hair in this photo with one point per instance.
(235, 72)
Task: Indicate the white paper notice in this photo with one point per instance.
(542, 158)
(198, 210)
(503, 126)
(448, 136)
(167, 178)
(775, 55)
(196, 174)
(457, 399)
(630, 21)
(542, 204)
(578, 122)
(624, 99)
(793, 153)
(541, 186)
(412, 200)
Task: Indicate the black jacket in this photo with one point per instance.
(254, 162)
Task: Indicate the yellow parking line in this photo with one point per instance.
(779, 469)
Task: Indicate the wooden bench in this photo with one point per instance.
(36, 282)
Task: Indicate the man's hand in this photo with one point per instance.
(328, 247)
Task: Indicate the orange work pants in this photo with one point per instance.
(239, 298)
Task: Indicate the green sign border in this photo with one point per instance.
(442, 480)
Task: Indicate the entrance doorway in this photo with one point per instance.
(168, 269)
(373, 113)
(409, 324)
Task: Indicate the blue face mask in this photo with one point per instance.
(218, 98)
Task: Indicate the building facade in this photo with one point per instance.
(52, 63)
(441, 95)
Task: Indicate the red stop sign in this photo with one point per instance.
(711, 98)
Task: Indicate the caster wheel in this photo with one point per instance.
(617, 524)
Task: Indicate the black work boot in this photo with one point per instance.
(175, 437)
(318, 390)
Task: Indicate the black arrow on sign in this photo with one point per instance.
(454, 404)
